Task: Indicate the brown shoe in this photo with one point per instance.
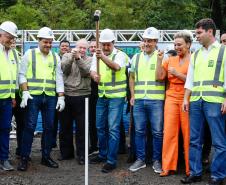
(167, 173)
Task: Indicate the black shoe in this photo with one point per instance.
(22, 166)
(47, 161)
(65, 158)
(191, 179)
(96, 160)
(108, 168)
(81, 160)
(216, 182)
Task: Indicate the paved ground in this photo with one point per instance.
(70, 173)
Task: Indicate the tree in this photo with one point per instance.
(7, 3)
(117, 14)
(218, 13)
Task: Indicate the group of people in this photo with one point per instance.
(182, 92)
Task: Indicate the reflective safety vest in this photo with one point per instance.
(112, 83)
(145, 78)
(209, 76)
(41, 76)
(8, 74)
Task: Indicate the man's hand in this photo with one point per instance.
(26, 95)
(99, 53)
(95, 76)
(223, 107)
(75, 53)
(13, 103)
(60, 104)
(132, 100)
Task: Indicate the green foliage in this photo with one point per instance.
(116, 14)
(7, 3)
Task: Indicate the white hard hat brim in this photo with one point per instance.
(13, 34)
(44, 37)
(105, 41)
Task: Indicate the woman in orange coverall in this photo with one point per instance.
(175, 70)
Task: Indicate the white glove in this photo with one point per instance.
(60, 104)
(26, 95)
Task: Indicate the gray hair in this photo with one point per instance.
(83, 40)
(185, 34)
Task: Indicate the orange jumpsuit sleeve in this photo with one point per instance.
(165, 64)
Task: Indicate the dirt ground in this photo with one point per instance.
(70, 173)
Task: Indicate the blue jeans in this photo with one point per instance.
(47, 105)
(108, 117)
(5, 125)
(212, 112)
(145, 111)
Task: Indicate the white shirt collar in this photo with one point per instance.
(215, 44)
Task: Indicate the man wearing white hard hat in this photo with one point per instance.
(8, 71)
(112, 91)
(40, 78)
(147, 97)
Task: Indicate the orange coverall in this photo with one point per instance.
(174, 117)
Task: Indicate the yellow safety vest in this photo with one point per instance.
(112, 83)
(145, 79)
(41, 76)
(209, 76)
(8, 74)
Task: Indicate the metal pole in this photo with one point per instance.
(86, 139)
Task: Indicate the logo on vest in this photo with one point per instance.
(152, 67)
(50, 64)
(210, 63)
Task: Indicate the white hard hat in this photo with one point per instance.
(151, 33)
(9, 27)
(45, 33)
(107, 35)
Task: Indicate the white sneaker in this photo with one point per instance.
(5, 165)
(157, 167)
(138, 164)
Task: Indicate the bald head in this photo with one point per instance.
(82, 45)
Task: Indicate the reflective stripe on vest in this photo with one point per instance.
(145, 84)
(211, 90)
(113, 83)
(8, 74)
(37, 85)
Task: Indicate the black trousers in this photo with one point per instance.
(92, 122)
(55, 129)
(74, 110)
(19, 115)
